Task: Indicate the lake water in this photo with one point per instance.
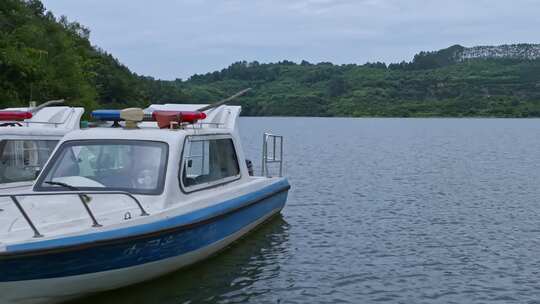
(382, 211)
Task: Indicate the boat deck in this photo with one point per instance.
(66, 215)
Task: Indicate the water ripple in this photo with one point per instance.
(383, 211)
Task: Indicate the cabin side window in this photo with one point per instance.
(21, 159)
(208, 161)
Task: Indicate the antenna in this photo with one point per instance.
(46, 104)
(223, 101)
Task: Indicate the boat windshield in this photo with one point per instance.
(20, 160)
(134, 166)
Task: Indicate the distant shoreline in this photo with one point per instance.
(456, 82)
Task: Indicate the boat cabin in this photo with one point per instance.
(150, 192)
(147, 161)
(28, 138)
(174, 163)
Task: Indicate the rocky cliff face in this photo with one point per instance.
(510, 51)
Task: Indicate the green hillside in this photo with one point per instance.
(43, 57)
(479, 87)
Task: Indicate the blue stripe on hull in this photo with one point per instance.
(132, 252)
(185, 219)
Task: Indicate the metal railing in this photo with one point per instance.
(274, 155)
(83, 196)
(55, 124)
(200, 125)
(28, 123)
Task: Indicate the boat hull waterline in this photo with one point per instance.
(52, 275)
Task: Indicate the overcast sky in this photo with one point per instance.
(177, 38)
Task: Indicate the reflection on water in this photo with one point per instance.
(224, 278)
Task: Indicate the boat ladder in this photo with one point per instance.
(273, 155)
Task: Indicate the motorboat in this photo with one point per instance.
(153, 191)
(27, 138)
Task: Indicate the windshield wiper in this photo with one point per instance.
(63, 185)
(85, 196)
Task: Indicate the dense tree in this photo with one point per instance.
(43, 57)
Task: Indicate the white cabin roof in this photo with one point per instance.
(49, 121)
(145, 132)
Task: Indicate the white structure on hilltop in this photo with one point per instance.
(510, 51)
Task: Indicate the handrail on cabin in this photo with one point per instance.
(83, 196)
(267, 157)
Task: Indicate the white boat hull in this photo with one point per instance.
(59, 289)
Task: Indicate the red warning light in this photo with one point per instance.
(14, 115)
(164, 118)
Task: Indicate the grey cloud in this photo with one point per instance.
(169, 39)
